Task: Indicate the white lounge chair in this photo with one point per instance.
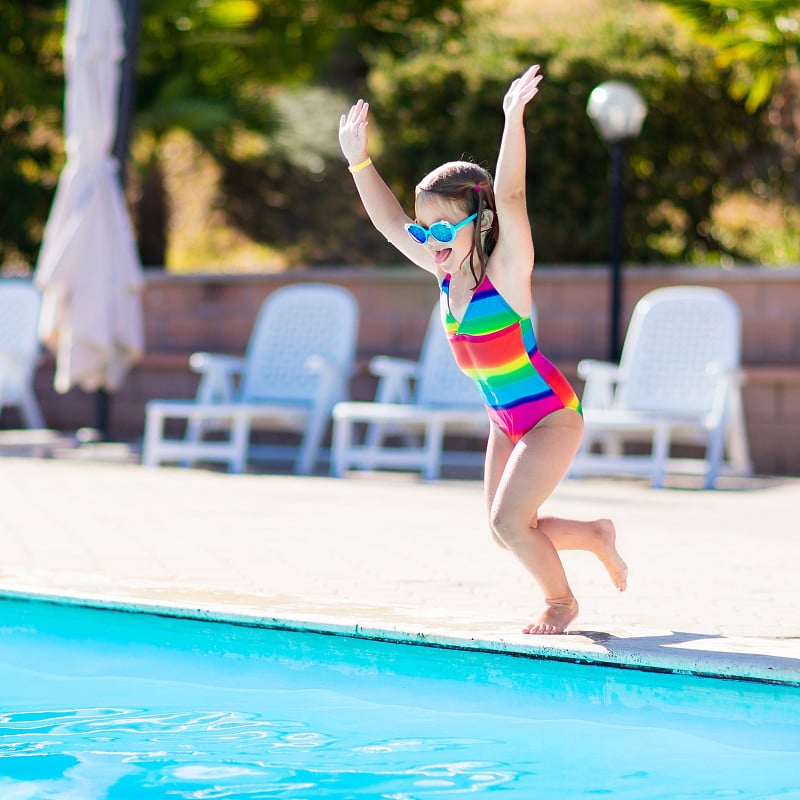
(419, 402)
(678, 382)
(298, 364)
(19, 348)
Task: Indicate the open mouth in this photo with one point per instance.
(440, 256)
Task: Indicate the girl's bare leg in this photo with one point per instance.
(518, 480)
(598, 536)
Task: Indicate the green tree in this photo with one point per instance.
(211, 68)
(696, 140)
(30, 111)
(757, 44)
(757, 40)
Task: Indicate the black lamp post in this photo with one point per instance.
(617, 111)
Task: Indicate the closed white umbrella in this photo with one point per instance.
(88, 267)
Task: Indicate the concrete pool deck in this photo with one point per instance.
(714, 585)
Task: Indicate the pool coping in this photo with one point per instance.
(743, 659)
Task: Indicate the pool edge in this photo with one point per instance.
(743, 666)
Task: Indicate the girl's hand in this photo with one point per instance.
(353, 133)
(522, 91)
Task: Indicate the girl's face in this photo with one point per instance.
(431, 208)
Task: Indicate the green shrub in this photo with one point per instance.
(696, 140)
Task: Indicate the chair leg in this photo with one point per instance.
(434, 441)
(195, 430)
(373, 438)
(312, 440)
(612, 444)
(660, 454)
(715, 449)
(736, 436)
(29, 408)
(153, 432)
(240, 439)
(342, 439)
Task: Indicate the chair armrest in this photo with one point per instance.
(735, 376)
(605, 370)
(333, 380)
(215, 362)
(395, 377)
(600, 379)
(11, 376)
(218, 373)
(726, 381)
(389, 365)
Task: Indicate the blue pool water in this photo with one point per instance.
(106, 704)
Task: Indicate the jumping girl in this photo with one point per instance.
(474, 236)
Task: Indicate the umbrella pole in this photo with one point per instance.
(125, 105)
(101, 413)
(127, 86)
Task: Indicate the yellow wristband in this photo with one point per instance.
(358, 167)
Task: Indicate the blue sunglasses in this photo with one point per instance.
(443, 231)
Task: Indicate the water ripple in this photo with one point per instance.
(216, 755)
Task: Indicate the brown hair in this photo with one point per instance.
(470, 187)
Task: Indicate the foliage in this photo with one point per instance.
(259, 86)
(213, 68)
(695, 139)
(273, 185)
(759, 230)
(755, 39)
(757, 43)
(30, 103)
(209, 67)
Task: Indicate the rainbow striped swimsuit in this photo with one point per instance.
(497, 348)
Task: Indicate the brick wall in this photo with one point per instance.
(184, 313)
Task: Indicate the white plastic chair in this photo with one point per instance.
(298, 364)
(421, 402)
(678, 382)
(19, 348)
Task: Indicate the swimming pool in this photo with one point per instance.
(100, 703)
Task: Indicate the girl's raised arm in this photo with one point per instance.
(380, 203)
(515, 245)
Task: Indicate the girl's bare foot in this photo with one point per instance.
(556, 616)
(607, 553)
